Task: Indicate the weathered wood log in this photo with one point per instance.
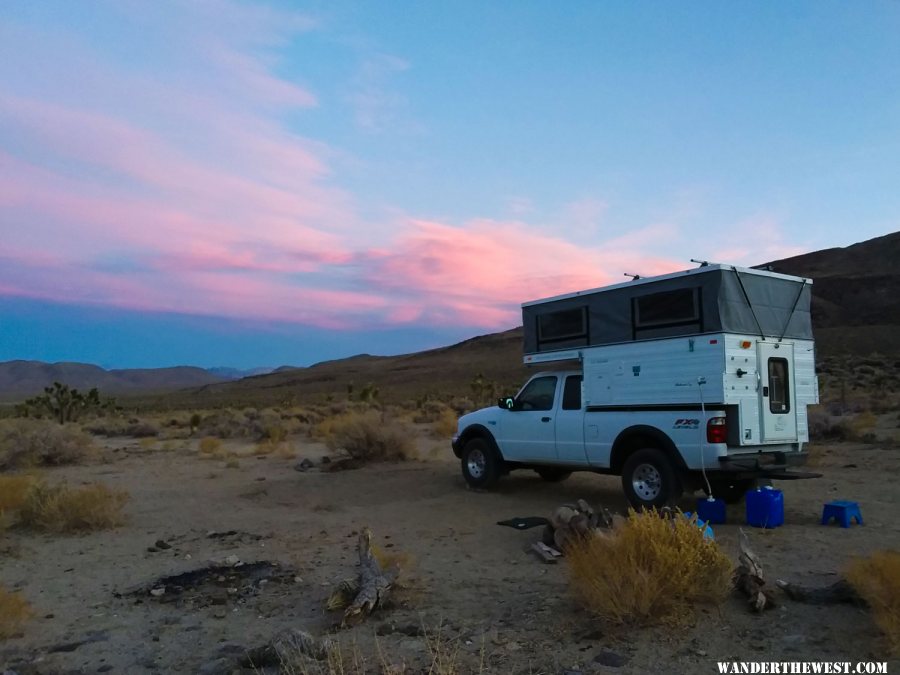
(374, 583)
(749, 579)
(833, 594)
(573, 522)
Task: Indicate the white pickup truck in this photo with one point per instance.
(679, 396)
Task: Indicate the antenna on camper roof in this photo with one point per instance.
(702, 263)
(634, 277)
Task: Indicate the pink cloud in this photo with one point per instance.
(480, 272)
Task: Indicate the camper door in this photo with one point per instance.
(777, 392)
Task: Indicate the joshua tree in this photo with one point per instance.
(65, 404)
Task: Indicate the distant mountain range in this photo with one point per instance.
(21, 379)
(856, 310)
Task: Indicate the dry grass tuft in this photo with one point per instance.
(445, 425)
(210, 446)
(14, 490)
(65, 510)
(368, 437)
(14, 612)
(233, 463)
(26, 443)
(648, 570)
(265, 448)
(877, 580)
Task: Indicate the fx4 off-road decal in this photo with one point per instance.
(686, 424)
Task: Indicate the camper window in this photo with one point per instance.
(779, 391)
(668, 308)
(567, 324)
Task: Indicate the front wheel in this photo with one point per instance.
(650, 480)
(481, 463)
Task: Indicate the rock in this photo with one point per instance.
(232, 560)
(152, 549)
(105, 668)
(158, 592)
(304, 465)
(220, 613)
(610, 659)
(162, 546)
(325, 459)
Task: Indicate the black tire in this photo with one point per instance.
(481, 464)
(731, 491)
(552, 475)
(650, 480)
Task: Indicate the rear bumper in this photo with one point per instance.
(767, 465)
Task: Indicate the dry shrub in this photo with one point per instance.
(14, 612)
(649, 569)
(264, 448)
(368, 437)
(208, 445)
(25, 443)
(877, 580)
(446, 423)
(14, 490)
(286, 451)
(61, 509)
(232, 463)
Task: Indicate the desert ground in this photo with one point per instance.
(471, 598)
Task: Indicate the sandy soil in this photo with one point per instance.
(472, 584)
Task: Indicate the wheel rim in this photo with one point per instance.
(647, 482)
(476, 463)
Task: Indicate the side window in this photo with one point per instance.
(779, 387)
(572, 393)
(538, 394)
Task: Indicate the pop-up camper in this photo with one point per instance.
(695, 379)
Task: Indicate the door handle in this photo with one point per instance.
(765, 391)
(545, 419)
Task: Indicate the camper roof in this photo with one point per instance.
(673, 275)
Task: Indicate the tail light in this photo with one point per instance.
(716, 430)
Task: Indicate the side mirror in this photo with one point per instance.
(507, 403)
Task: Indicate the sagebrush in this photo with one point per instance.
(649, 569)
(368, 437)
(29, 443)
(877, 580)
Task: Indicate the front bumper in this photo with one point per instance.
(456, 445)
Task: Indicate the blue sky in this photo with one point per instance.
(237, 183)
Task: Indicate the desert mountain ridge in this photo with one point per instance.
(856, 310)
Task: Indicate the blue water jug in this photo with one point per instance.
(711, 510)
(765, 507)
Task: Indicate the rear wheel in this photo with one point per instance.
(481, 463)
(552, 475)
(650, 480)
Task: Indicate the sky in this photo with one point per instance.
(224, 183)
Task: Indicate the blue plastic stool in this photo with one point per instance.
(842, 511)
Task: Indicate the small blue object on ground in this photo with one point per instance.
(765, 508)
(711, 510)
(707, 530)
(842, 511)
